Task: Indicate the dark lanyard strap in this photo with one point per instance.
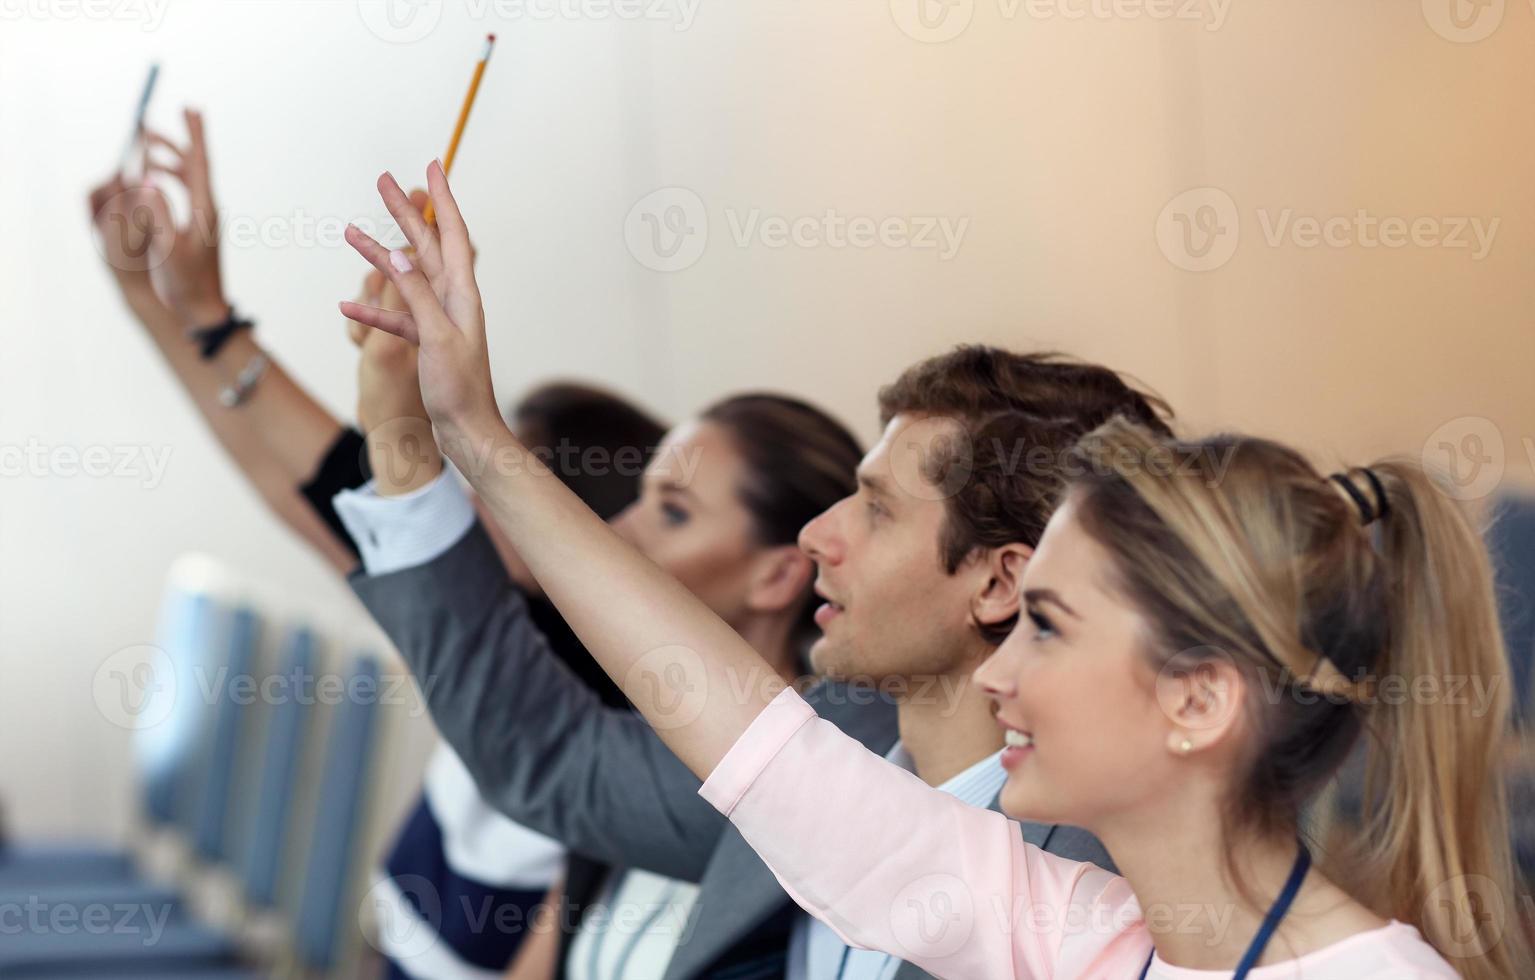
(1270, 922)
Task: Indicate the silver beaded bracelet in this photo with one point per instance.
(235, 395)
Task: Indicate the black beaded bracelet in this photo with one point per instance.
(211, 340)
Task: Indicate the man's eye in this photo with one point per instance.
(876, 509)
(674, 515)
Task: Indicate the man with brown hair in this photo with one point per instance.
(920, 570)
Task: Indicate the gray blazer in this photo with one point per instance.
(546, 752)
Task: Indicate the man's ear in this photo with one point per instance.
(779, 579)
(998, 598)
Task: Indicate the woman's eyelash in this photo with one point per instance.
(1041, 623)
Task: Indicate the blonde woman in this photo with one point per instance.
(1206, 624)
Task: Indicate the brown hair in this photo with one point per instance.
(612, 437)
(1018, 416)
(799, 461)
(1245, 552)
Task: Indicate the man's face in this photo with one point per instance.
(891, 608)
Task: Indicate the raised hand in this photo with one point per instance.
(444, 316)
(188, 279)
(124, 222)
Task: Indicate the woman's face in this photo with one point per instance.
(1073, 677)
(689, 518)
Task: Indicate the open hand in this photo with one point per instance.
(444, 316)
(188, 279)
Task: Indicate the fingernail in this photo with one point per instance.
(400, 261)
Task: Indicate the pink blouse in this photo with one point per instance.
(894, 865)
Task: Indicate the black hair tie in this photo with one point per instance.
(1368, 513)
(1382, 503)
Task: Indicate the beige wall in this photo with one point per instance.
(1057, 141)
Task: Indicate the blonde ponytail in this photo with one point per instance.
(1435, 839)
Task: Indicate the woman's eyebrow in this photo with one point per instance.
(672, 486)
(1050, 596)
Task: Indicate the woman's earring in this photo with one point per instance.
(1185, 746)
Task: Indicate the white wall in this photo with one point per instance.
(1058, 140)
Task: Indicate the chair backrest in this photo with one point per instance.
(289, 722)
(339, 812)
(231, 690)
(1511, 539)
(171, 752)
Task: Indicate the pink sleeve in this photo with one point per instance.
(895, 865)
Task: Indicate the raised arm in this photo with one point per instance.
(124, 217)
(291, 429)
(692, 676)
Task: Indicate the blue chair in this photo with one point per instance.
(338, 820)
(287, 730)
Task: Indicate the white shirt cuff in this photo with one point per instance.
(394, 533)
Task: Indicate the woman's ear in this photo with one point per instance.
(779, 579)
(998, 599)
(1202, 699)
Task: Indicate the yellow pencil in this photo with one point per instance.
(463, 118)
